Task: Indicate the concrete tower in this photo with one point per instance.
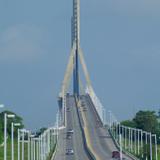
(76, 41)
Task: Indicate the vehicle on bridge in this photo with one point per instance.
(70, 131)
(69, 152)
(68, 136)
(68, 109)
(116, 155)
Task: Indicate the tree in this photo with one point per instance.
(129, 123)
(41, 131)
(17, 119)
(147, 121)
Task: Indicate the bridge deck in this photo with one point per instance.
(100, 139)
(76, 142)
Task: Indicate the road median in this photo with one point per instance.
(85, 134)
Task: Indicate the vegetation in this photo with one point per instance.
(17, 119)
(40, 131)
(15, 150)
(147, 121)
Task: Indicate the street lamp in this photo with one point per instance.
(5, 132)
(12, 136)
(146, 139)
(32, 146)
(36, 147)
(120, 139)
(24, 131)
(155, 139)
(150, 135)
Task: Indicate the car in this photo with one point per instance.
(68, 109)
(68, 136)
(85, 109)
(70, 131)
(116, 154)
(83, 104)
(69, 152)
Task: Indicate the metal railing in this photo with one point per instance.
(136, 143)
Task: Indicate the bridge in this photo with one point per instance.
(82, 113)
(81, 131)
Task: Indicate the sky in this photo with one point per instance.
(121, 44)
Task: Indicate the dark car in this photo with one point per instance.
(116, 154)
(68, 136)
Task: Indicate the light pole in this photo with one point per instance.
(150, 135)
(1, 106)
(29, 145)
(155, 142)
(5, 132)
(135, 141)
(57, 119)
(138, 140)
(18, 144)
(120, 139)
(125, 137)
(141, 142)
(22, 144)
(23, 131)
(41, 143)
(37, 148)
(32, 146)
(34, 149)
(12, 137)
(131, 140)
(119, 132)
(110, 120)
(146, 144)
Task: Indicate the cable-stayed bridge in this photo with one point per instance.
(83, 131)
(82, 113)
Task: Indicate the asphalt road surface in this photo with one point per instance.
(100, 139)
(75, 142)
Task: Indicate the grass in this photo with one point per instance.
(148, 149)
(15, 151)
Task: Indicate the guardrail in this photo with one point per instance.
(124, 151)
(94, 108)
(97, 103)
(54, 153)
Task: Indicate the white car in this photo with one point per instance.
(70, 131)
(69, 152)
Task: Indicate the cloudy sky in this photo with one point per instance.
(121, 43)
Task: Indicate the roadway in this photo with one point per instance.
(76, 142)
(100, 140)
(60, 154)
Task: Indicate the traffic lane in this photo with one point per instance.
(80, 152)
(101, 150)
(69, 126)
(102, 134)
(60, 153)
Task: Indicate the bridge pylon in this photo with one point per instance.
(75, 60)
